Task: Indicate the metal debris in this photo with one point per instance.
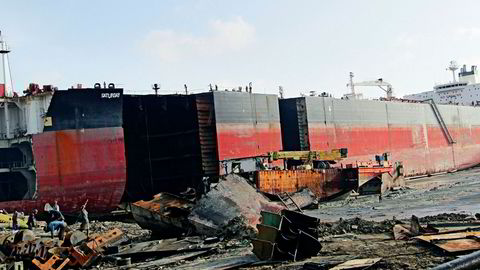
(470, 261)
(356, 264)
(233, 196)
(289, 236)
(165, 215)
(456, 241)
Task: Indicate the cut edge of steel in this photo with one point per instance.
(454, 241)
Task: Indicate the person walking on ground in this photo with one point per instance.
(56, 206)
(15, 220)
(85, 225)
(56, 225)
(32, 219)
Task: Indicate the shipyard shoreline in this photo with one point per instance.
(350, 237)
(451, 197)
(427, 196)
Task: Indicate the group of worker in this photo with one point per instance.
(55, 220)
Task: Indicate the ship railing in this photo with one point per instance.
(12, 165)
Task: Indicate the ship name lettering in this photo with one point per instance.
(110, 95)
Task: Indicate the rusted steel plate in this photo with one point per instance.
(166, 214)
(324, 183)
(455, 241)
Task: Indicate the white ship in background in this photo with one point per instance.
(464, 91)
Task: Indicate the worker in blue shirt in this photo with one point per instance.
(56, 225)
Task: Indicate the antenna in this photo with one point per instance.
(280, 91)
(352, 87)
(156, 87)
(452, 67)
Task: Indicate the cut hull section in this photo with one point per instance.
(74, 166)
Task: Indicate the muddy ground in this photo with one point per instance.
(448, 193)
(362, 227)
(355, 228)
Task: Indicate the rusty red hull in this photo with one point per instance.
(74, 166)
(422, 150)
(411, 132)
(247, 140)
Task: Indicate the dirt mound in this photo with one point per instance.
(237, 228)
(446, 217)
(355, 225)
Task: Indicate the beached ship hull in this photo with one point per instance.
(411, 132)
(78, 154)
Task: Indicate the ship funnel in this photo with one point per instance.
(6, 85)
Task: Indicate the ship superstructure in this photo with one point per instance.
(464, 91)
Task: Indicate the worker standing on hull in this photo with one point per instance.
(32, 219)
(15, 221)
(85, 223)
(56, 206)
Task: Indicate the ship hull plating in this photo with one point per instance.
(74, 166)
(77, 154)
(409, 131)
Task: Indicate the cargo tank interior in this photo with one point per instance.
(161, 144)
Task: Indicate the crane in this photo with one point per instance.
(385, 86)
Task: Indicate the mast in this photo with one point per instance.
(6, 83)
(7, 77)
(352, 87)
(452, 67)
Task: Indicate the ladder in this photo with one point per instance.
(439, 117)
(291, 205)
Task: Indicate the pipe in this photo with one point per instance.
(470, 261)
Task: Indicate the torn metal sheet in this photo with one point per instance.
(162, 261)
(164, 247)
(233, 196)
(289, 236)
(232, 262)
(166, 214)
(357, 264)
(454, 241)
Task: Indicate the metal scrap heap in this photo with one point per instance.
(289, 236)
(24, 250)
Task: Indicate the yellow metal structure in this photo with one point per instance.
(307, 156)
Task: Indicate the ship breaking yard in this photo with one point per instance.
(99, 178)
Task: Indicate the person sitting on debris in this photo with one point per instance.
(32, 219)
(85, 225)
(15, 220)
(55, 215)
(56, 225)
(56, 206)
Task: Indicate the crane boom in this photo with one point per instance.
(385, 86)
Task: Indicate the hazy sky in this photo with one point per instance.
(301, 45)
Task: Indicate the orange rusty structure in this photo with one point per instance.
(85, 254)
(363, 177)
(54, 263)
(323, 182)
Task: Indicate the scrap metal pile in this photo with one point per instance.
(286, 236)
(40, 252)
